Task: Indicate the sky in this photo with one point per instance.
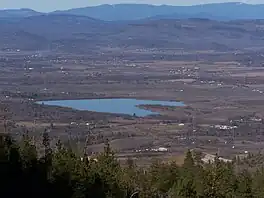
(51, 5)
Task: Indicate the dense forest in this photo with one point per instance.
(59, 172)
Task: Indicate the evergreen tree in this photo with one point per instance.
(62, 173)
(185, 186)
(219, 180)
(188, 161)
(28, 152)
(257, 183)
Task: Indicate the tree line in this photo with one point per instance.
(61, 173)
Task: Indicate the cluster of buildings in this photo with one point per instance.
(160, 149)
(225, 127)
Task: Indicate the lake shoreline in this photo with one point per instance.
(126, 106)
(104, 97)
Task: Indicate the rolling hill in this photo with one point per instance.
(126, 12)
(217, 11)
(72, 33)
(18, 13)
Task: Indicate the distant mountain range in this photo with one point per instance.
(17, 13)
(217, 11)
(82, 34)
(89, 30)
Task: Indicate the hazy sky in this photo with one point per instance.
(50, 5)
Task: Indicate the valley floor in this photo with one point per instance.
(223, 96)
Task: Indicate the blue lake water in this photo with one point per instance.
(117, 106)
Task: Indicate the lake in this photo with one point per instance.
(116, 106)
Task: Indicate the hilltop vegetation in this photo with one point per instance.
(137, 26)
(62, 173)
(81, 34)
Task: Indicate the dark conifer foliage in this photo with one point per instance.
(61, 173)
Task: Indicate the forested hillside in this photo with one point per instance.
(61, 173)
